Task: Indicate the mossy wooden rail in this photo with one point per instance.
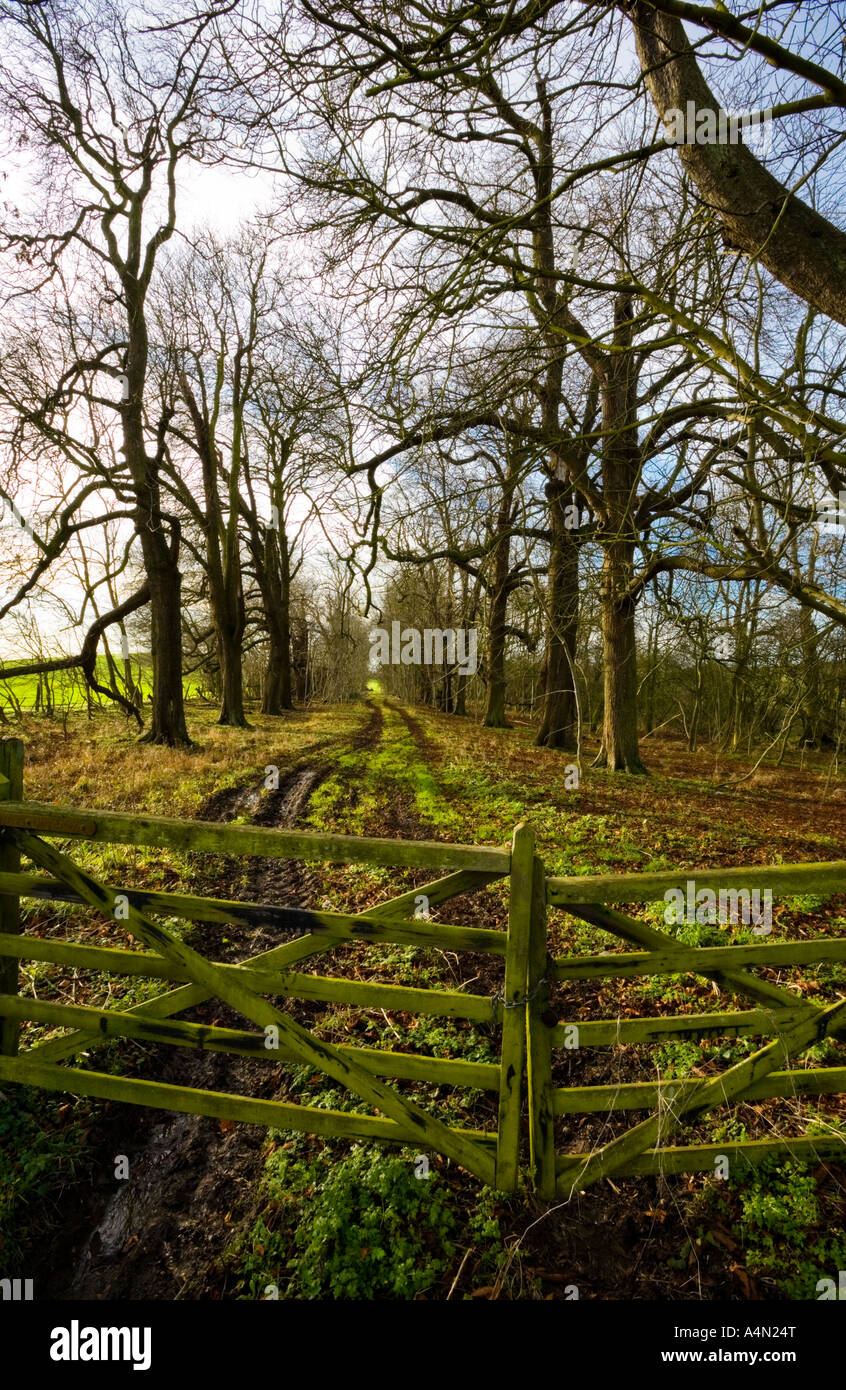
(791, 1022)
(251, 986)
(530, 1033)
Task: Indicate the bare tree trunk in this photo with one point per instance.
(469, 608)
(499, 592)
(165, 583)
(223, 561)
(276, 692)
(160, 553)
(497, 689)
(229, 641)
(697, 706)
(653, 674)
(559, 715)
(620, 472)
(620, 750)
(299, 659)
(274, 579)
(817, 729)
(168, 714)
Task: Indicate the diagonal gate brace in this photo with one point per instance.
(682, 1102)
(175, 1001)
(737, 980)
(325, 1058)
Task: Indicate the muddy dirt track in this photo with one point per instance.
(192, 1179)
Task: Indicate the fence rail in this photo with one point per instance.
(531, 1031)
(792, 1024)
(829, 877)
(123, 828)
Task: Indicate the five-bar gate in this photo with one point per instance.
(530, 1033)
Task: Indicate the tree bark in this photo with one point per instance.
(817, 731)
(167, 724)
(620, 475)
(231, 676)
(223, 563)
(620, 751)
(161, 559)
(299, 660)
(802, 249)
(559, 714)
(276, 692)
(497, 689)
(274, 580)
(498, 611)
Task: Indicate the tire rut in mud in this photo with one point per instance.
(193, 1180)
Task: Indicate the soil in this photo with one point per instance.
(193, 1180)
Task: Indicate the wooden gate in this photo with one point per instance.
(250, 986)
(792, 1023)
(530, 1033)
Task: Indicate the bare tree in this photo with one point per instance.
(111, 100)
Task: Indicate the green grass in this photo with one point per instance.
(42, 1146)
(67, 688)
(365, 1225)
(351, 798)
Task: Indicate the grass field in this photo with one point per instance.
(67, 688)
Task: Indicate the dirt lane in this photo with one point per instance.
(192, 1180)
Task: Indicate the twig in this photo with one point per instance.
(467, 1253)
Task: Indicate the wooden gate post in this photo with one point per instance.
(11, 789)
(514, 1008)
(538, 1047)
